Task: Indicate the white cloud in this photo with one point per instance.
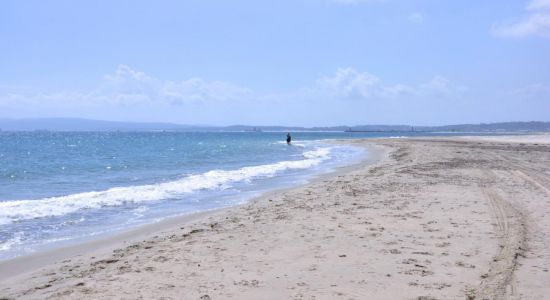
(537, 90)
(128, 81)
(350, 83)
(416, 17)
(124, 74)
(536, 23)
(127, 91)
(538, 4)
(440, 86)
(127, 86)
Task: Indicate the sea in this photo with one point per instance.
(61, 188)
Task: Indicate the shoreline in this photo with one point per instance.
(105, 243)
(436, 218)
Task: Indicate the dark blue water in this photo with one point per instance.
(58, 187)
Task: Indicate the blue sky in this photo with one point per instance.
(300, 62)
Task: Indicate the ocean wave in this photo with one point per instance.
(19, 210)
(15, 240)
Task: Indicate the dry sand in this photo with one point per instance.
(525, 139)
(435, 218)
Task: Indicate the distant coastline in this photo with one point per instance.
(76, 124)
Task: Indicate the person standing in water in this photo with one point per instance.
(288, 138)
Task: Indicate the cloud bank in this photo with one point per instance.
(129, 94)
(349, 83)
(535, 23)
(129, 83)
(127, 86)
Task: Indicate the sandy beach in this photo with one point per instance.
(423, 218)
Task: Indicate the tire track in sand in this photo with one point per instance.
(498, 282)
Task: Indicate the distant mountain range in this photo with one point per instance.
(74, 124)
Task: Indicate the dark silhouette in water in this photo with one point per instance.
(288, 138)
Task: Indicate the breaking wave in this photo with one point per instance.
(19, 210)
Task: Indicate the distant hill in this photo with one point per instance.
(493, 127)
(75, 124)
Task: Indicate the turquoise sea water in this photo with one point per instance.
(57, 188)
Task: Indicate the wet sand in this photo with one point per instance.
(435, 218)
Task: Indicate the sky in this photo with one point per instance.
(298, 62)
